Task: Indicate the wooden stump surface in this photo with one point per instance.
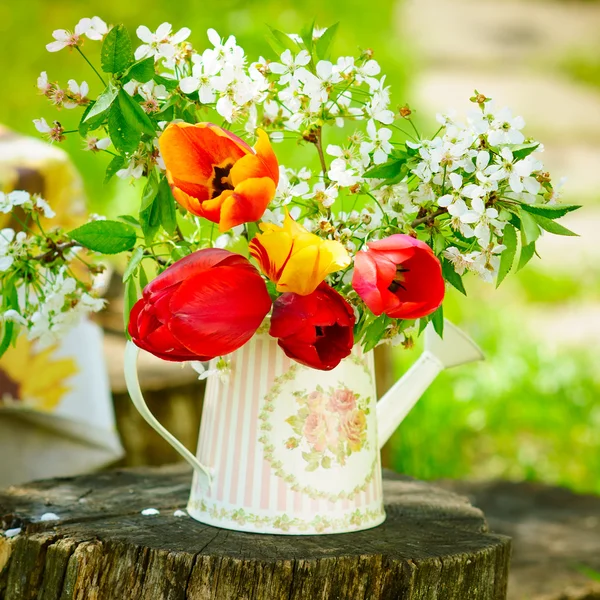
(434, 545)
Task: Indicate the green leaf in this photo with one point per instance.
(509, 239)
(324, 42)
(166, 207)
(143, 278)
(170, 84)
(452, 277)
(127, 122)
(149, 212)
(129, 219)
(98, 111)
(520, 151)
(553, 227)
(134, 261)
(550, 211)
(282, 41)
(117, 53)
(527, 253)
(7, 334)
(530, 230)
(106, 237)
(116, 164)
(307, 36)
(129, 299)
(142, 71)
(387, 170)
(374, 332)
(437, 318)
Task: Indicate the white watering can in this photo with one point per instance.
(288, 449)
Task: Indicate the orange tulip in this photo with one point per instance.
(214, 174)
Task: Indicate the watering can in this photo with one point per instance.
(287, 449)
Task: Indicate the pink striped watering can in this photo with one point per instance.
(291, 450)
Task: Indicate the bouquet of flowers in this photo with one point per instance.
(352, 243)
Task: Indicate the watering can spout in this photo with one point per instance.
(456, 348)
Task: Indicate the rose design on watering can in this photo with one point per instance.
(329, 426)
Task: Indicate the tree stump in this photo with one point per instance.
(434, 545)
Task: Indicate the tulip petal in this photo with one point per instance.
(263, 163)
(247, 202)
(217, 311)
(209, 209)
(193, 264)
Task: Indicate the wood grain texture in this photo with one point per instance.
(434, 545)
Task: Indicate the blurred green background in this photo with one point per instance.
(532, 411)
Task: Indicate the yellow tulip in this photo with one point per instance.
(295, 259)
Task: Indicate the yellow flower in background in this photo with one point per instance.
(34, 379)
(295, 259)
(40, 168)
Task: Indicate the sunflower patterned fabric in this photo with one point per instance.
(56, 414)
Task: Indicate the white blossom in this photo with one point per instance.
(160, 44)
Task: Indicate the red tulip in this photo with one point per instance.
(399, 276)
(207, 304)
(315, 330)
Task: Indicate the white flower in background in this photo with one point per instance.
(43, 85)
(7, 236)
(379, 143)
(448, 199)
(42, 206)
(12, 316)
(506, 129)
(64, 38)
(277, 215)
(345, 66)
(377, 108)
(77, 94)
(367, 72)
(25, 201)
(519, 173)
(483, 218)
(459, 261)
(290, 97)
(150, 91)
(222, 50)
(288, 67)
(54, 133)
(94, 28)
(318, 87)
(342, 173)
(204, 68)
(134, 169)
(93, 144)
(323, 194)
(160, 44)
(290, 185)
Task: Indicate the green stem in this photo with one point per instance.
(91, 65)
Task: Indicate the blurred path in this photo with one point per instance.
(514, 51)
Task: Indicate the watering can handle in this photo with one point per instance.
(133, 387)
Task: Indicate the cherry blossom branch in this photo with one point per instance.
(56, 251)
(426, 218)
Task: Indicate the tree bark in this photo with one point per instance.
(433, 545)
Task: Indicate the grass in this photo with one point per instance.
(530, 411)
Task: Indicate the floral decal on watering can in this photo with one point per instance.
(330, 426)
(318, 429)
